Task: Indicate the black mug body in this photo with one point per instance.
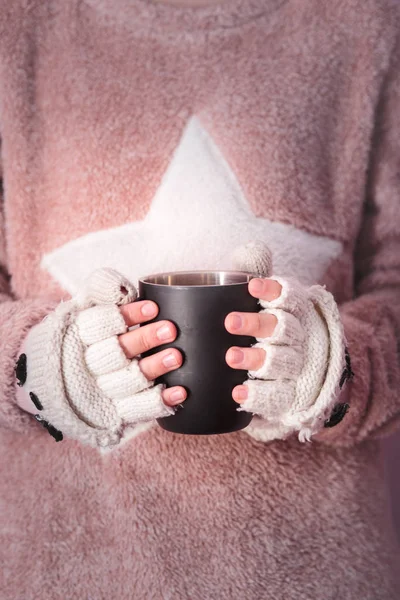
(197, 302)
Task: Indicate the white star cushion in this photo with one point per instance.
(198, 218)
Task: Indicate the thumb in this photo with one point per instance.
(106, 286)
(253, 257)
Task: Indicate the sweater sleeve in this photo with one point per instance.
(372, 319)
(16, 318)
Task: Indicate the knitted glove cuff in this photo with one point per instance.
(43, 349)
(314, 418)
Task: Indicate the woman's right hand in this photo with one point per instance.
(81, 368)
(144, 338)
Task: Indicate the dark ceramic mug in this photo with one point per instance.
(197, 302)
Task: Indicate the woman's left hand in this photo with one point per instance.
(300, 362)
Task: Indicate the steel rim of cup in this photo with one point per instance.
(198, 278)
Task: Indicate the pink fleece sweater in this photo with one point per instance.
(151, 138)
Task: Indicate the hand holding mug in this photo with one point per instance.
(138, 341)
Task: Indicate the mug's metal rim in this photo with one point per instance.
(250, 275)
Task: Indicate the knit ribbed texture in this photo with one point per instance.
(80, 389)
(105, 356)
(100, 322)
(123, 383)
(281, 362)
(144, 406)
(288, 329)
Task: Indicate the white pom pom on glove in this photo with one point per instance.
(306, 358)
(76, 373)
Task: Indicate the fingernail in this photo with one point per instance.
(170, 360)
(237, 356)
(236, 322)
(241, 393)
(164, 333)
(257, 285)
(177, 396)
(148, 310)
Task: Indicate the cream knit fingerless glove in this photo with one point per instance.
(76, 372)
(296, 389)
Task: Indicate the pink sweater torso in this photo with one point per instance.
(152, 138)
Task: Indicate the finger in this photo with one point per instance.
(174, 395)
(281, 362)
(240, 393)
(106, 286)
(245, 358)
(100, 322)
(160, 363)
(292, 297)
(267, 289)
(129, 386)
(144, 338)
(139, 312)
(270, 399)
(255, 324)
(135, 378)
(105, 357)
(123, 383)
(145, 406)
(279, 326)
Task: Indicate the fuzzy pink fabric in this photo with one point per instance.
(303, 102)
